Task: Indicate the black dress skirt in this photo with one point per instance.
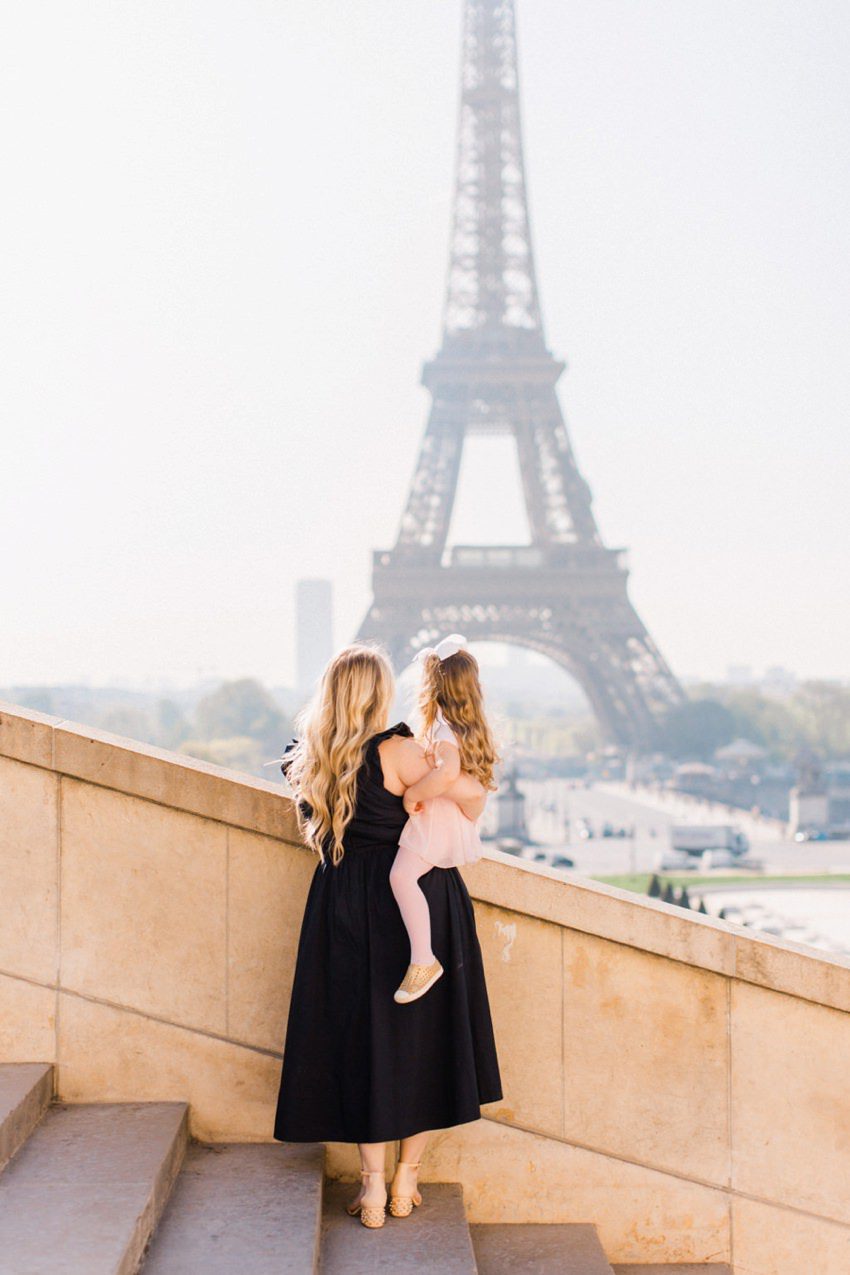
(357, 1067)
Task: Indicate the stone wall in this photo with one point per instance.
(669, 1077)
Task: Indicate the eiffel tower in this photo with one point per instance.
(564, 594)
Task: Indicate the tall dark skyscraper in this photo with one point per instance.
(313, 630)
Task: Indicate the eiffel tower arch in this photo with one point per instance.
(565, 593)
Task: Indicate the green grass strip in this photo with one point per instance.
(639, 882)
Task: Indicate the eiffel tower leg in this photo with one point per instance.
(425, 522)
(612, 657)
(557, 497)
(393, 631)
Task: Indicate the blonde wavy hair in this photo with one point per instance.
(452, 685)
(351, 705)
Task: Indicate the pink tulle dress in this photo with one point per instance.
(441, 833)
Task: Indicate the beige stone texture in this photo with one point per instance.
(28, 870)
(27, 1021)
(791, 1101)
(268, 884)
(175, 780)
(775, 1241)
(791, 967)
(113, 1055)
(510, 1175)
(650, 925)
(26, 735)
(179, 902)
(596, 908)
(143, 905)
(645, 1058)
(523, 963)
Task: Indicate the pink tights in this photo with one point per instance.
(404, 881)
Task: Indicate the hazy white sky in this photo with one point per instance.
(226, 227)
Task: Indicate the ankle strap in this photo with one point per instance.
(409, 1164)
(371, 1173)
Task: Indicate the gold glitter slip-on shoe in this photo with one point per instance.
(371, 1215)
(402, 1205)
(418, 980)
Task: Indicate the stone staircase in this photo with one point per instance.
(115, 1188)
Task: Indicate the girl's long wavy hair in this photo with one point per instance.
(453, 686)
(350, 706)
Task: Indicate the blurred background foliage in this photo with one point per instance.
(242, 724)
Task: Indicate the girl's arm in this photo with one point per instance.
(405, 765)
(469, 794)
(435, 783)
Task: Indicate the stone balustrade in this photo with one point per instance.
(674, 1079)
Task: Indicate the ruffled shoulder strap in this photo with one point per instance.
(400, 728)
(286, 759)
(371, 758)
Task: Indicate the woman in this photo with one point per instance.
(358, 1067)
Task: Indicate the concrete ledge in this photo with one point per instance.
(26, 735)
(664, 1073)
(141, 770)
(651, 925)
(213, 792)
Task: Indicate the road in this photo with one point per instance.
(554, 806)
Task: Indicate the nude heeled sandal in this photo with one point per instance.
(371, 1215)
(402, 1205)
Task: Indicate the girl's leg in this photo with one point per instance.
(404, 881)
(373, 1189)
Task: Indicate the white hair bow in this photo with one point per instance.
(448, 646)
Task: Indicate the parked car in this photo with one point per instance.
(718, 859)
(674, 861)
(693, 839)
(562, 861)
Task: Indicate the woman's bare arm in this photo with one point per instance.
(437, 781)
(403, 762)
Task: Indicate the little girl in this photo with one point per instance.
(444, 807)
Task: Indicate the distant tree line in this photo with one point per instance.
(241, 724)
(238, 724)
(669, 894)
(816, 715)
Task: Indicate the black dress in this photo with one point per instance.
(357, 1067)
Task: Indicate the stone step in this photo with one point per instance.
(84, 1194)
(674, 1268)
(539, 1249)
(253, 1207)
(25, 1092)
(434, 1240)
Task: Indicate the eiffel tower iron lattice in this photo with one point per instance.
(565, 593)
